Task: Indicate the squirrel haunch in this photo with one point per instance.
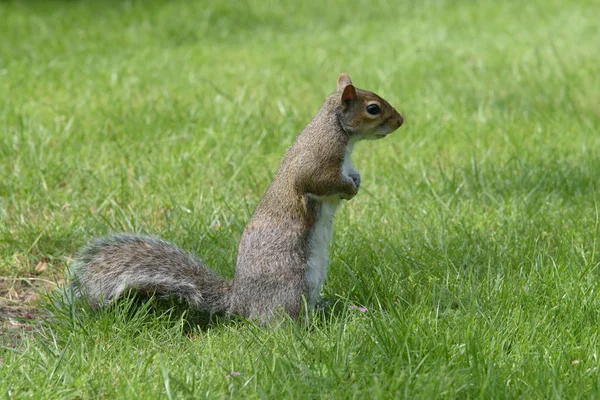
(283, 253)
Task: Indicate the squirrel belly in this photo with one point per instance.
(322, 231)
(318, 248)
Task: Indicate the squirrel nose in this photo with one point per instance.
(400, 120)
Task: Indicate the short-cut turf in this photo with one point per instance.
(473, 243)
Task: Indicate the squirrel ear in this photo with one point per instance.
(349, 94)
(343, 81)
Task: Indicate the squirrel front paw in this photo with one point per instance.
(353, 177)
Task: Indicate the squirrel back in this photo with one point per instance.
(282, 256)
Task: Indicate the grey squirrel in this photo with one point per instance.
(283, 252)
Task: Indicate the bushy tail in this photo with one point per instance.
(110, 266)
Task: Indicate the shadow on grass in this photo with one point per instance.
(137, 312)
(133, 312)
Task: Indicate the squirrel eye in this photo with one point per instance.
(373, 109)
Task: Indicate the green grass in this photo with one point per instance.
(473, 242)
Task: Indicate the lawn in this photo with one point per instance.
(473, 243)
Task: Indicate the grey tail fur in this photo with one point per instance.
(112, 265)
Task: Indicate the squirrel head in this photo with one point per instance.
(363, 114)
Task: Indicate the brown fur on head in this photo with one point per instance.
(363, 114)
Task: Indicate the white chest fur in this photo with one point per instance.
(320, 236)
